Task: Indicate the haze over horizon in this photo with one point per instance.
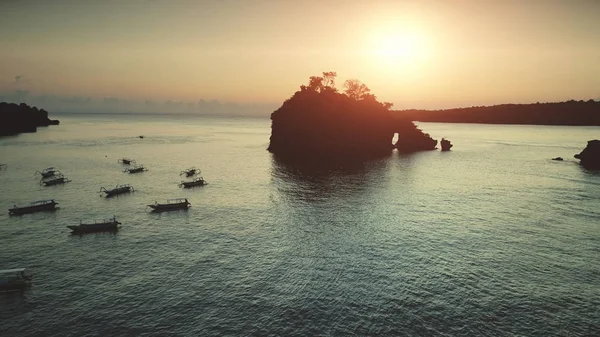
(239, 57)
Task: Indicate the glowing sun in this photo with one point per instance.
(395, 49)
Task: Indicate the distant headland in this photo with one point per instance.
(19, 118)
(319, 122)
(575, 113)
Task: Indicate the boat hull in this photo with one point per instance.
(115, 192)
(94, 228)
(15, 285)
(32, 209)
(55, 182)
(167, 207)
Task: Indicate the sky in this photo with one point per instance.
(248, 56)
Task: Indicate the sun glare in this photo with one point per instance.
(398, 50)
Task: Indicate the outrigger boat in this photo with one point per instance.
(14, 279)
(136, 169)
(190, 172)
(48, 172)
(126, 161)
(171, 205)
(55, 180)
(119, 189)
(36, 206)
(196, 182)
(96, 226)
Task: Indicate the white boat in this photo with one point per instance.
(14, 279)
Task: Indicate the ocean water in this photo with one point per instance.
(490, 239)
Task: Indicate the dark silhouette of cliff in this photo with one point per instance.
(561, 113)
(318, 122)
(18, 118)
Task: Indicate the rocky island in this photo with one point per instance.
(590, 156)
(320, 123)
(19, 118)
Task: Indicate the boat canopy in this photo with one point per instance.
(12, 271)
(43, 201)
(177, 199)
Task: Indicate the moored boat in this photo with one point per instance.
(36, 206)
(119, 189)
(48, 172)
(196, 182)
(126, 161)
(55, 180)
(136, 169)
(171, 205)
(190, 172)
(97, 226)
(14, 279)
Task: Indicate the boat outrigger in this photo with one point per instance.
(48, 172)
(171, 205)
(36, 206)
(196, 182)
(97, 226)
(136, 169)
(55, 180)
(119, 189)
(126, 161)
(192, 171)
(14, 279)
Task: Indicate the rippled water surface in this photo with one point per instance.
(490, 239)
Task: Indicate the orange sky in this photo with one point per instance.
(416, 54)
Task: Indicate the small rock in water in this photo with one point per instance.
(558, 158)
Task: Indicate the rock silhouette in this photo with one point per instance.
(590, 156)
(18, 118)
(320, 123)
(446, 144)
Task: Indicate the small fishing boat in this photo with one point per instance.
(55, 180)
(171, 205)
(119, 189)
(196, 182)
(14, 279)
(106, 225)
(126, 161)
(190, 172)
(136, 169)
(48, 172)
(36, 206)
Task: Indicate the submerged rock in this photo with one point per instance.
(558, 158)
(590, 156)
